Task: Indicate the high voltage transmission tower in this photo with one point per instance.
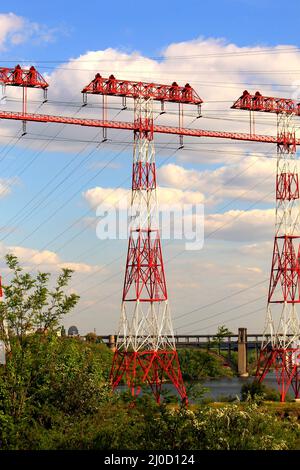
(281, 344)
(146, 350)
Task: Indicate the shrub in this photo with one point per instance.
(258, 391)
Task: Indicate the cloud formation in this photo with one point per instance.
(240, 225)
(250, 179)
(120, 197)
(32, 258)
(15, 30)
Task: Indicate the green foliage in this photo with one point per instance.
(147, 426)
(54, 391)
(196, 364)
(30, 304)
(65, 380)
(258, 391)
(222, 333)
(233, 428)
(45, 377)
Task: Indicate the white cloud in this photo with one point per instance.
(15, 30)
(10, 26)
(120, 197)
(239, 225)
(6, 186)
(45, 259)
(251, 179)
(257, 250)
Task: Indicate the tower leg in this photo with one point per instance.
(153, 368)
(284, 363)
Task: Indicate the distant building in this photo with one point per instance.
(73, 331)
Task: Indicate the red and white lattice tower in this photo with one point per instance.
(280, 350)
(145, 347)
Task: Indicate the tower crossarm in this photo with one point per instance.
(18, 76)
(269, 104)
(133, 89)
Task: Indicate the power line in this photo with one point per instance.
(229, 296)
(81, 162)
(34, 158)
(221, 313)
(258, 51)
(74, 223)
(230, 319)
(168, 261)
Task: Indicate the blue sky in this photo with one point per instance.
(125, 25)
(49, 186)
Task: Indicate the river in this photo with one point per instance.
(221, 387)
(231, 387)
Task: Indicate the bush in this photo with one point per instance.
(258, 391)
(149, 427)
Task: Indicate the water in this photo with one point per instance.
(225, 387)
(221, 387)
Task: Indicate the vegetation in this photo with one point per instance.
(116, 424)
(222, 333)
(260, 392)
(54, 391)
(46, 377)
(197, 364)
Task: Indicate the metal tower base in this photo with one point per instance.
(148, 367)
(286, 365)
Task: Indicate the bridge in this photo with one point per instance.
(242, 343)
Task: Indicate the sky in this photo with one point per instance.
(53, 178)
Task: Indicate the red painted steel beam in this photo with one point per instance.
(269, 104)
(66, 120)
(17, 76)
(132, 89)
(131, 126)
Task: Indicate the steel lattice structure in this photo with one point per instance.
(24, 78)
(145, 347)
(281, 344)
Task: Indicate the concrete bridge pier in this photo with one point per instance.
(112, 342)
(242, 352)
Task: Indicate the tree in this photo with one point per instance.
(49, 381)
(30, 314)
(222, 333)
(30, 304)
